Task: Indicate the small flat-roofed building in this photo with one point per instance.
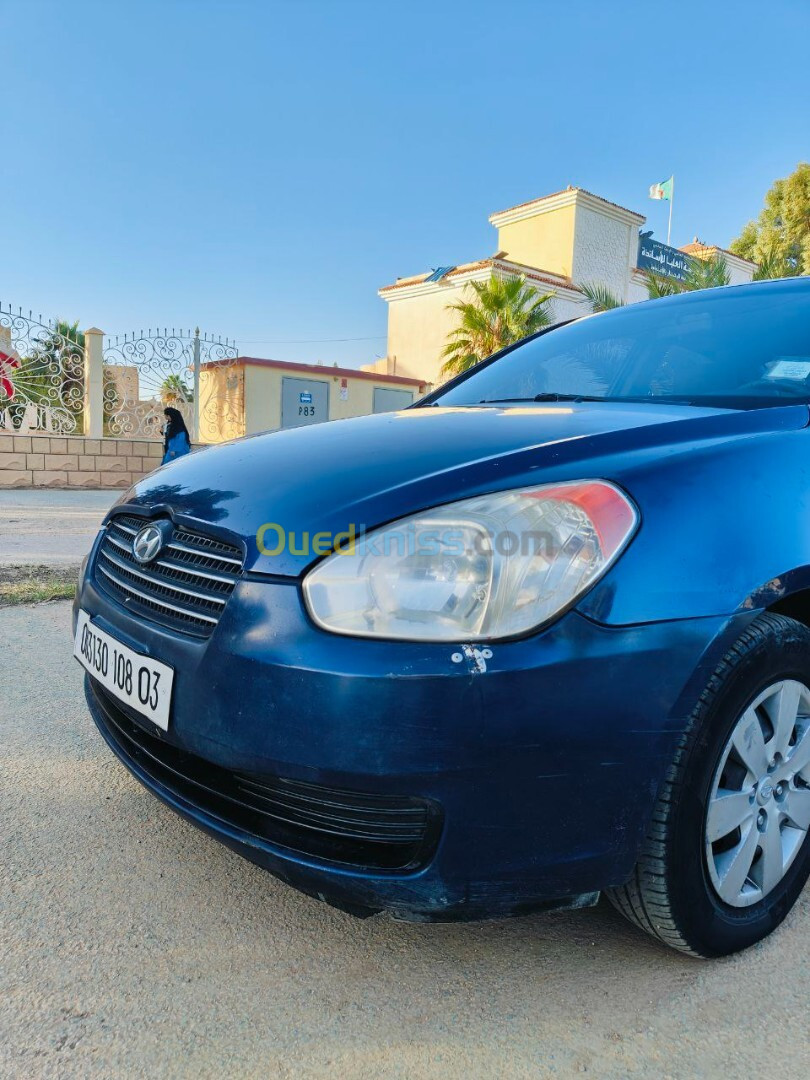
(251, 394)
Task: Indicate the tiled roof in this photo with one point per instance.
(555, 194)
(548, 278)
(324, 370)
(692, 249)
(468, 268)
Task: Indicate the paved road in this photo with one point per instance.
(132, 945)
(50, 527)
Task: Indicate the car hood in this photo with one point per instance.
(367, 471)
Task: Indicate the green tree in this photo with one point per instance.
(51, 373)
(659, 285)
(173, 388)
(62, 349)
(599, 297)
(503, 311)
(771, 265)
(780, 237)
(710, 273)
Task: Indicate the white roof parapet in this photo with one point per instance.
(571, 196)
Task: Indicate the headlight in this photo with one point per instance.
(495, 566)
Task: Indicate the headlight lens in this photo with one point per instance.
(495, 566)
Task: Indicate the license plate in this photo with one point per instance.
(141, 682)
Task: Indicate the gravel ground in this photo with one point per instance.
(132, 945)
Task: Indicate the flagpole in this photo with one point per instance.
(671, 201)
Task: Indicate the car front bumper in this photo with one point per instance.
(540, 763)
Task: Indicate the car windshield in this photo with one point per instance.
(727, 348)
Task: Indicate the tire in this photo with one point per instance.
(674, 893)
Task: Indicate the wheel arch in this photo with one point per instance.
(795, 605)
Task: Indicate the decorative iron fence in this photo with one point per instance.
(42, 367)
(53, 380)
(145, 372)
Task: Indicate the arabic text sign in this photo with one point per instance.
(662, 259)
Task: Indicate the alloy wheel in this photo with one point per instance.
(758, 812)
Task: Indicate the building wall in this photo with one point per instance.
(740, 270)
(262, 401)
(566, 306)
(637, 288)
(222, 403)
(73, 461)
(418, 326)
(125, 379)
(604, 250)
(545, 240)
(263, 386)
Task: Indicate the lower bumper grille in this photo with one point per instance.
(379, 832)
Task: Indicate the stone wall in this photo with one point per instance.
(605, 246)
(53, 461)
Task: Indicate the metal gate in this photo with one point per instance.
(386, 400)
(41, 374)
(197, 374)
(304, 401)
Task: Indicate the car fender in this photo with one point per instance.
(725, 527)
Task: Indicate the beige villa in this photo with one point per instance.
(557, 243)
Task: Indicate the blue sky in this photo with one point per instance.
(262, 168)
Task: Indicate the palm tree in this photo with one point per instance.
(600, 298)
(51, 372)
(708, 273)
(504, 311)
(773, 265)
(62, 347)
(174, 388)
(658, 285)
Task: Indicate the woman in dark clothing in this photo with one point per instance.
(176, 441)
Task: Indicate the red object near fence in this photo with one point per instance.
(7, 363)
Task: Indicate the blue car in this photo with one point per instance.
(544, 635)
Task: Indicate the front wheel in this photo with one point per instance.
(727, 851)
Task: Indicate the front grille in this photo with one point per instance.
(382, 832)
(186, 587)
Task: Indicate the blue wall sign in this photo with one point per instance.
(661, 258)
(305, 398)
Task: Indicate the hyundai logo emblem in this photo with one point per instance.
(147, 544)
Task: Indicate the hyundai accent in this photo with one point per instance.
(543, 635)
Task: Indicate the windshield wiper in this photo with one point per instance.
(540, 397)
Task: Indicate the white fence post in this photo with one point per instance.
(94, 382)
(196, 424)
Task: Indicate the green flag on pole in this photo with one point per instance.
(662, 190)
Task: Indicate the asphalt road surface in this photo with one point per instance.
(50, 527)
(131, 945)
